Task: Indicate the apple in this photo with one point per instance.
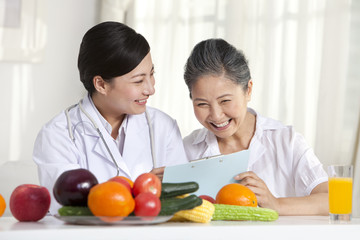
(29, 202)
(208, 198)
(122, 181)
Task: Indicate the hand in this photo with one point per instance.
(158, 172)
(258, 186)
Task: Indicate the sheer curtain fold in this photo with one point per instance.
(356, 182)
(114, 10)
(303, 56)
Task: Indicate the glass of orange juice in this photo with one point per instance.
(340, 192)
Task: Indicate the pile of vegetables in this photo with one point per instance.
(149, 197)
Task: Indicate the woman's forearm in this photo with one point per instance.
(314, 204)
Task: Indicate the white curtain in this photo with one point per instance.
(356, 182)
(303, 56)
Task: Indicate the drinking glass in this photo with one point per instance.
(340, 192)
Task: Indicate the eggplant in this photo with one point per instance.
(72, 187)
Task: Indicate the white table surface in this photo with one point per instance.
(295, 227)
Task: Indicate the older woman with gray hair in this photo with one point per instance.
(284, 172)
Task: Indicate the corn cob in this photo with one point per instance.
(244, 213)
(200, 214)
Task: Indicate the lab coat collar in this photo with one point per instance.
(99, 146)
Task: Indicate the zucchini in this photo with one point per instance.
(243, 213)
(175, 189)
(74, 211)
(170, 206)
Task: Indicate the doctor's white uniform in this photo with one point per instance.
(278, 155)
(55, 152)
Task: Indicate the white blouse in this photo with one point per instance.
(278, 155)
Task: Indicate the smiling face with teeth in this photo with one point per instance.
(220, 105)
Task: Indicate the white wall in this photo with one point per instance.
(54, 82)
(52, 85)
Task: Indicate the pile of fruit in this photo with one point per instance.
(80, 194)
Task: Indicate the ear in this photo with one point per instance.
(249, 90)
(99, 84)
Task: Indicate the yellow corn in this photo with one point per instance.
(183, 196)
(200, 214)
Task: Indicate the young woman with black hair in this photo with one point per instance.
(110, 131)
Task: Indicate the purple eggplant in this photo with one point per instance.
(72, 187)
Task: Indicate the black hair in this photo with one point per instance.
(109, 49)
(216, 57)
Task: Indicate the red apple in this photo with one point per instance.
(208, 198)
(122, 181)
(29, 202)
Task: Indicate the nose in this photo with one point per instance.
(149, 88)
(216, 113)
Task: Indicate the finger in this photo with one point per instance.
(244, 175)
(159, 170)
(250, 181)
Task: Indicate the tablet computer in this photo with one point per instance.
(211, 173)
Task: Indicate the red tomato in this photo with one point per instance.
(208, 198)
(122, 181)
(147, 204)
(147, 182)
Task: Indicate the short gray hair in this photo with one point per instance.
(216, 57)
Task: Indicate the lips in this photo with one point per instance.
(142, 101)
(221, 125)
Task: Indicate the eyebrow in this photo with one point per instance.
(222, 96)
(143, 74)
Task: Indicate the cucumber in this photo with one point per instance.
(170, 206)
(243, 213)
(74, 211)
(175, 189)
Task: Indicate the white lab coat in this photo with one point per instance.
(54, 151)
(278, 155)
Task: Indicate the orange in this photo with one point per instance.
(236, 194)
(2, 205)
(110, 199)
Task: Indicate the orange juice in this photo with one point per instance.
(340, 195)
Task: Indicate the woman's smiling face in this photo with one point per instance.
(219, 104)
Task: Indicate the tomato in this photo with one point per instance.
(147, 182)
(121, 180)
(147, 204)
(208, 198)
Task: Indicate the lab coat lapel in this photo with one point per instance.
(137, 144)
(99, 147)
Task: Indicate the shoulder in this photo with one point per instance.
(272, 129)
(195, 137)
(276, 136)
(54, 131)
(58, 122)
(162, 123)
(158, 116)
